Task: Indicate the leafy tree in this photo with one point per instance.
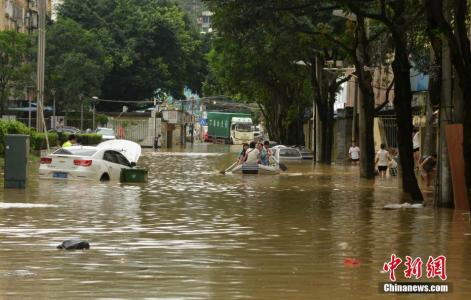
(449, 23)
(397, 17)
(149, 44)
(76, 63)
(260, 68)
(15, 71)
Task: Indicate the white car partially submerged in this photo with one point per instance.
(103, 162)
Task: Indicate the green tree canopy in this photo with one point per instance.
(75, 61)
(15, 72)
(149, 44)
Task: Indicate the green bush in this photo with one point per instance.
(85, 139)
(101, 119)
(11, 127)
(38, 140)
(89, 138)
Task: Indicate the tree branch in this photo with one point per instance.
(386, 101)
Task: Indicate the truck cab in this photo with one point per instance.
(241, 130)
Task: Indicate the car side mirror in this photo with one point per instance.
(133, 164)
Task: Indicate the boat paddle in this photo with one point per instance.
(283, 167)
(227, 170)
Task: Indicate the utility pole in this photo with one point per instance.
(155, 124)
(81, 111)
(192, 120)
(40, 66)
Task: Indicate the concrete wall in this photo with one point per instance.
(342, 137)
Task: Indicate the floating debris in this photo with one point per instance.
(403, 205)
(74, 245)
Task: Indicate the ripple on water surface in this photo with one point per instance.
(193, 233)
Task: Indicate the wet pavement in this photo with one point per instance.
(192, 233)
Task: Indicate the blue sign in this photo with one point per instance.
(204, 122)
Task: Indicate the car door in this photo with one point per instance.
(112, 164)
(123, 161)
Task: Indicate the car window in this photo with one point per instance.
(122, 160)
(284, 152)
(78, 152)
(293, 153)
(111, 156)
(289, 153)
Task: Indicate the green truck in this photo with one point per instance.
(233, 128)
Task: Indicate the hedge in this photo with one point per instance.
(11, 127)
(85, 139)
(38, 140)
(89, 138)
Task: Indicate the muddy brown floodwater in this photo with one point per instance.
(192, 233)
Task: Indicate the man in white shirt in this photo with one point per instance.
(416, 146)
(252, 154)
(354, 153)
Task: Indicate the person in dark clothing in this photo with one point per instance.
(241, 157)
(427, 167)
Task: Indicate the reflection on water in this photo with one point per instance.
(195, 234)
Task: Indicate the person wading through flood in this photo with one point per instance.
(252, 154)
(158, 142)
(416, 146)
(427, 168)
(71, 141)
(354, 153)
(382, 160)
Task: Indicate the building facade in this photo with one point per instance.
(20, 15)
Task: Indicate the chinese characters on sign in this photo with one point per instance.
(436, 267)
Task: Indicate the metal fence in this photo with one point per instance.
(388, 126)
(134, 130)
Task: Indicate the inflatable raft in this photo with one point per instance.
(256, 169)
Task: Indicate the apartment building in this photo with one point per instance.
(20, 15)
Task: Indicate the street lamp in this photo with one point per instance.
(81, 111)
(95, 98)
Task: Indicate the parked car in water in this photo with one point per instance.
(66, 129)
(103, 162)
(284, 153)
(106, 133)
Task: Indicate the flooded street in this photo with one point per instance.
(193, 233)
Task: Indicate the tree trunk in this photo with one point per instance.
(429, 145)
(366, 103)
(445, 191)
(327, 135)
(402, 106)
(366, 135)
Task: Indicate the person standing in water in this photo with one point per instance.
(416, 146)
(354, 153)
(382, 160)
(158, 142)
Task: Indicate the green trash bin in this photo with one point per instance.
(133, 175)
